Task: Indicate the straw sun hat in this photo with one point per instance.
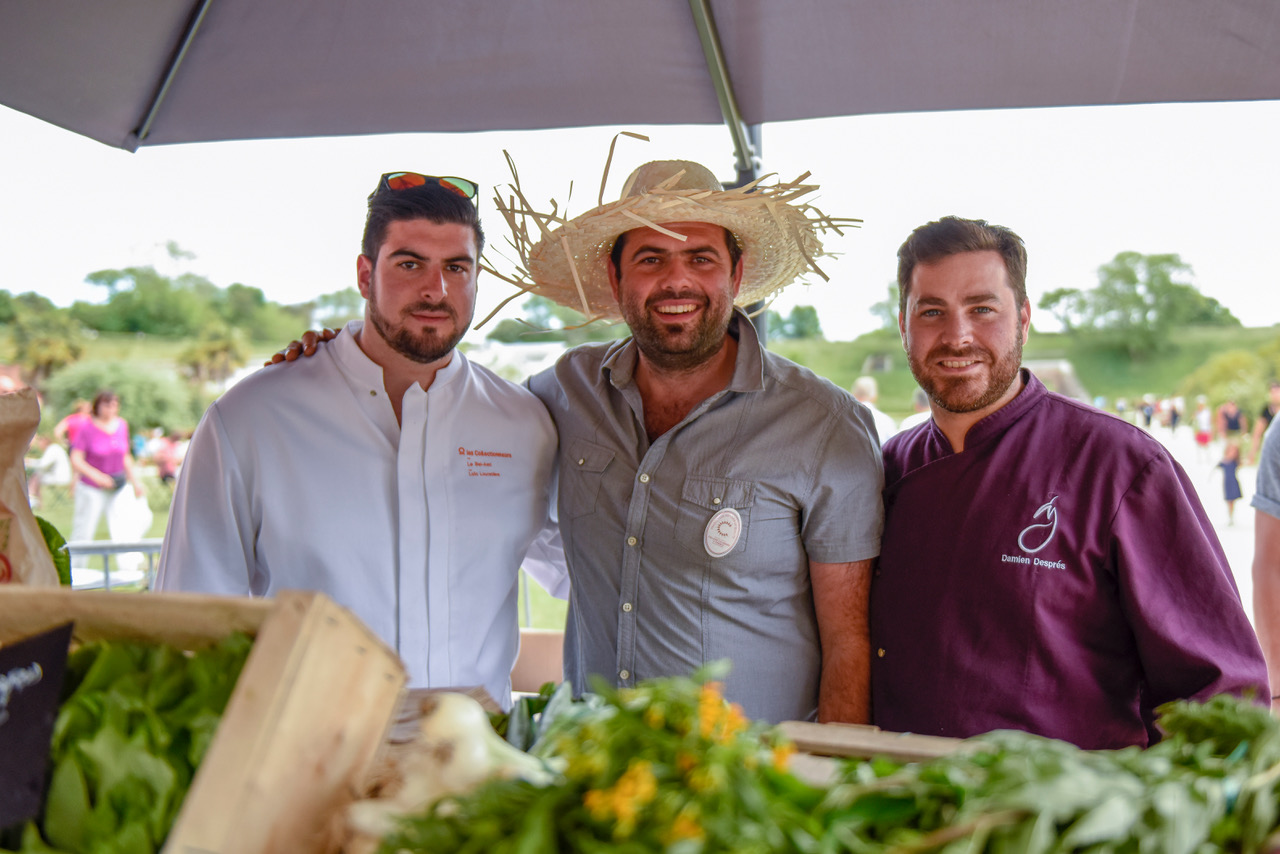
(566, 260)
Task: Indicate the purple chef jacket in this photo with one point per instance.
(1058, 576)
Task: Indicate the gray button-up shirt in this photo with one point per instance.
(791, 457)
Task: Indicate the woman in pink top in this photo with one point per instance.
(100, 457)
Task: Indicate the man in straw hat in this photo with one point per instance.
(716, 501)
(1045, 566)
(387, 471)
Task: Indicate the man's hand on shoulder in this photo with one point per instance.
(306, 347)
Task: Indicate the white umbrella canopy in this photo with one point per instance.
(125, 72)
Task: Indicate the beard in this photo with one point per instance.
(425, 345)
(677, 346)
(968, 394)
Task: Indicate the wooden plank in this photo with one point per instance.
(866, 741)
(187, 620)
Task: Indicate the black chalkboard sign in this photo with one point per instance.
(30, 684)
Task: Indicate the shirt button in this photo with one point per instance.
(626, 606)
(880, 652)
(644, 478)
(624, 674)
(631, 541)
(581, 461)
(373, 392)
(715, 501)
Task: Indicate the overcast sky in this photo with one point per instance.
(1079, 185)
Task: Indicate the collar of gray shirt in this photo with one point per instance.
(619, 363)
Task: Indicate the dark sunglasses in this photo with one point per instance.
(409, 180)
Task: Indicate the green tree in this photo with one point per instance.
(546, 321)
(887, 309)
(800, 324)
(14, 307)
(214, 356)
(247, 309)
(1137, 302)
(239, 304)
(45, 338)
(337, 308)
(1238, 375)
(142, 300)
(803, 322)
(149, 397)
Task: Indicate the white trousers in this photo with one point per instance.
(123, 517)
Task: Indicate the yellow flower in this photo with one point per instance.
(782, 754)
(624, 800)
(732, 722)
(711, 707)
(635, 788)
(707, 778)
(684, 827)
(599, 804)
(717, 719)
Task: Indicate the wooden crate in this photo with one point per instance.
(300, 732)
(855, 740)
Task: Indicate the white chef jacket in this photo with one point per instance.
(299, 477)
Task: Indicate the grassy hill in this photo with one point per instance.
(1103, 372)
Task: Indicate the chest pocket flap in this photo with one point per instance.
(716, 493)
(581, 470)
(700, 499)
(587, 456)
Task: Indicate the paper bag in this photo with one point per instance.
(24, 558)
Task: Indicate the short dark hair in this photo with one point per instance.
(730, 239)
(430, 202)
(106, 395)
(952, 235)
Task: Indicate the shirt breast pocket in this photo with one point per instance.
(581, 470)
(701, 499)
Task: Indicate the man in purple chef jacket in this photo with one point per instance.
(1045, 566)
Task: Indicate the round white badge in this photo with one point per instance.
(722, 532)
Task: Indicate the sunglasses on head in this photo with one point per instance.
(409, 180)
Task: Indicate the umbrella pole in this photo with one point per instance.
(138, 136)
(746, 139)
(747, 162)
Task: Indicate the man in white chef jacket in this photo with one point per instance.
(388, 471)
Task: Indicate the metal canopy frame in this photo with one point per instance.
(745, 139)
(139, 135)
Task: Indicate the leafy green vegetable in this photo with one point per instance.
(668, 767)
(57, 546)
(135, 721)
(520, 726)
